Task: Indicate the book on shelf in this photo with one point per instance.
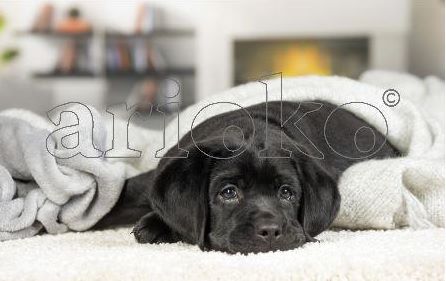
(44, 19)
(73, 58)
(124, 56)
(136, 57)
(156, 59)
(67, 58)
(146, 18)
(139, 53)
(83, 62)
(111, 59)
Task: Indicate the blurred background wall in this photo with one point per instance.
(207, 46)
(426, 40)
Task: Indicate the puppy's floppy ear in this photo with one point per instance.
(320, 196)
(180, 195)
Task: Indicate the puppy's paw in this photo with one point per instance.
(312, 239)
(143, 234)
(151, 229)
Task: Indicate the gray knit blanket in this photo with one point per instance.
(39, 191)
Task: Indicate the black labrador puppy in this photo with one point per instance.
(251, 182)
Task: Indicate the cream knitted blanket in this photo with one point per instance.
(382, 194)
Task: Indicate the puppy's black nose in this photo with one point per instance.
(269, 231)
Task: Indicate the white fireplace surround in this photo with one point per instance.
(385, 23)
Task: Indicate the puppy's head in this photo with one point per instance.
(246, 203)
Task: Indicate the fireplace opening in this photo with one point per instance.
(294, 57)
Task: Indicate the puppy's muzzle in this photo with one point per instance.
(268, 231)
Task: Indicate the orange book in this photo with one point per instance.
(67, 59)
(44, 18)
(73, 23)
(140, 17)
(73, 26)
(124, 56)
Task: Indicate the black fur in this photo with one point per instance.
(280, 202)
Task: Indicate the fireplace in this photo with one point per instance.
(294, 57)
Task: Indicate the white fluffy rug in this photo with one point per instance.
(113, 255)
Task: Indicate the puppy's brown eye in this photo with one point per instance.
(285, 192)
(229, 192)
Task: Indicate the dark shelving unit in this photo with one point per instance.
(117, 74)
(158, 74)
(110, 36)
(57, 35)
(60, 74)
(154, 33)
